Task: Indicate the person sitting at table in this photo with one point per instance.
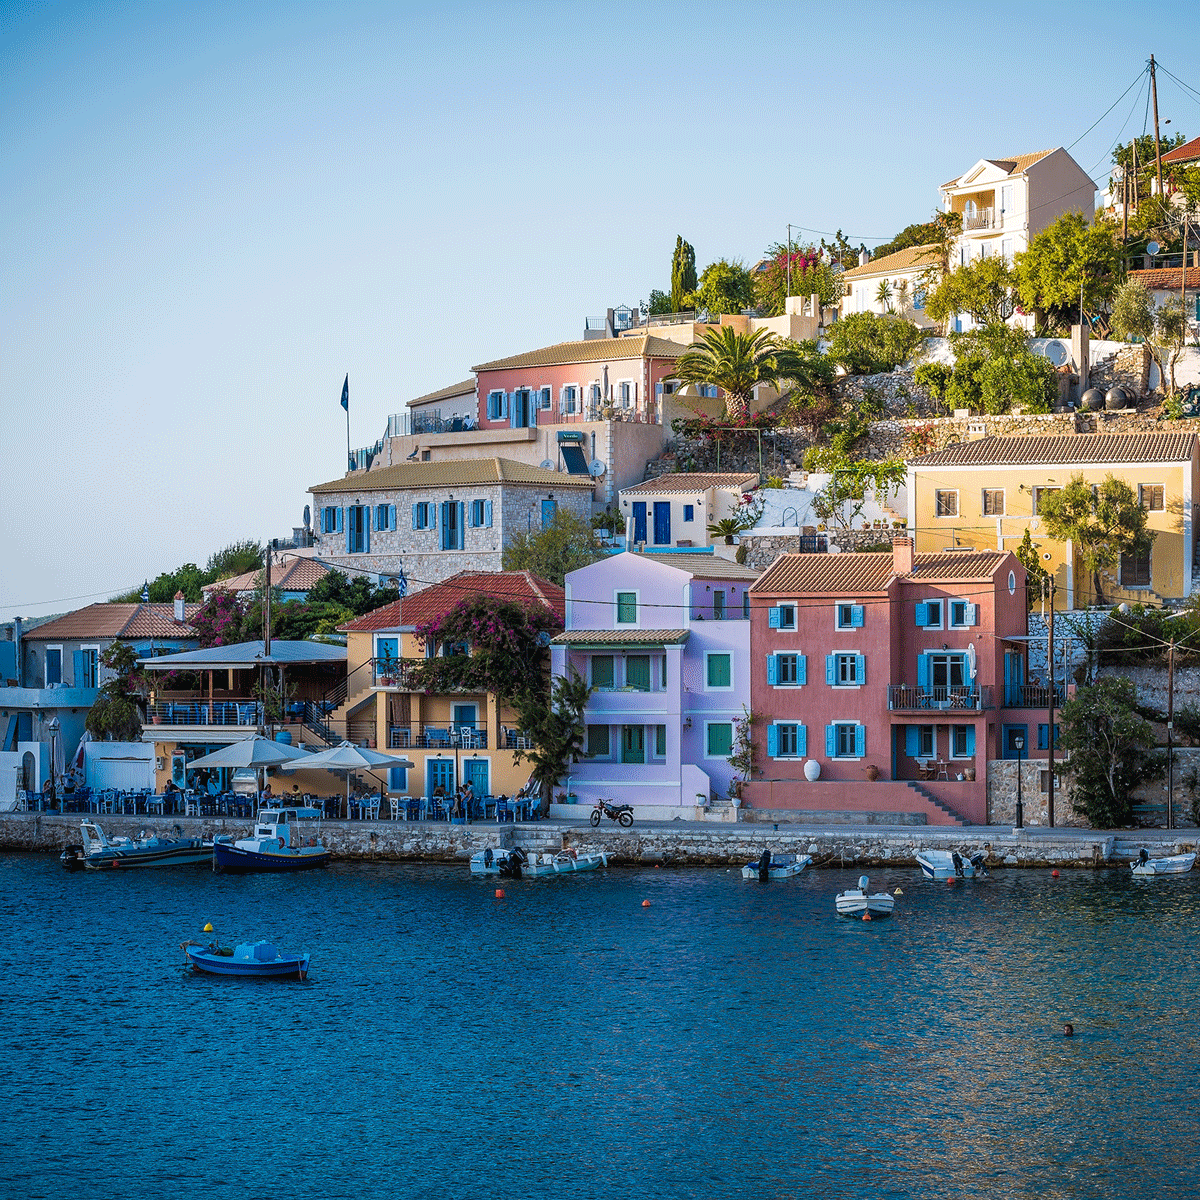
(266, 795)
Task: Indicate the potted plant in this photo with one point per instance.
(872, 772)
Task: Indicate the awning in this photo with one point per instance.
(606, 639)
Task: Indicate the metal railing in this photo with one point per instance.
(205, 712)
(985, 218)
(1032, 695)
(451, 735)
(903, 698)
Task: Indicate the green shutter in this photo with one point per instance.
(718, 670)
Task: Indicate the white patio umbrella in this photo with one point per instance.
(255, 752)
(349, 758)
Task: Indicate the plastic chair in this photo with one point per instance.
(395, 807)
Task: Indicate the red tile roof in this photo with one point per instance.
(1185, 153)
(1078, 449)
(870, 571)
(430, 603)
(299, 575)
(1166, 279)
(118, 621)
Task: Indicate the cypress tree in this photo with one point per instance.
(683, 273)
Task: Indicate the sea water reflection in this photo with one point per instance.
(732, 1039)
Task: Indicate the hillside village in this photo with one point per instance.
(821, 513)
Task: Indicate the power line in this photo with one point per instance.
(1141, 76)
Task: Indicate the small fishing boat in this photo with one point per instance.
(1172, 864)
(250, 958)
(565, 862)
(275, 845)
(776, 866)
(499, 862)
(949, 864)
(856, 902)
(99, 852)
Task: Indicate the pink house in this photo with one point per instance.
(888, 681)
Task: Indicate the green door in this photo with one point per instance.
(633, 743)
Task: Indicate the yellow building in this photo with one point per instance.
(450, 738)
(984, 494)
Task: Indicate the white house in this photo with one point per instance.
(906, 274)
(676, 510)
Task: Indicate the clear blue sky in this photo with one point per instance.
(209, 213)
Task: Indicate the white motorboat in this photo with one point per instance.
(776, 866)
(949, 864)
(857, 902)
(499, 862)
(149, 850)
(1172, 864)
(565, 862)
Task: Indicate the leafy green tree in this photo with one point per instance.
(983, 290)
(994, 368)
(298, 620)
(237, 558)
(725, 287)
(1109, 750)
(868, 344)
(840, 251)
(735, 362)
(1136, 157)
(1103, 523)
(683, 274)
(1037, 578)
(562, 546)
(115, 716)
(660, 303)
(356, 593)
(933, 378)
(806, 379)
(1164, 329)
(1065, 256)
(841, 501)
(922, 234)
(556, 729)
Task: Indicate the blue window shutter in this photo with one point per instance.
(77, 662)
(970, 739)
(860, 668)
(391, 516)
(341, 512)
(1043, 737)
(801, 668)
(772, 671)
(922, 615)
(860, 741)
(367, 529)
(461, 524)
(349, 527)
(487, 513)
(856, 616)
(773, 741)
(831, 741)
(431, 514)
(922, 671)
(801, 739)
(773, 618)
(418, 509)
(830, 670)
(972, 614)
(912, 740)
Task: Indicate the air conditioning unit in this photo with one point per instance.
(160, 763)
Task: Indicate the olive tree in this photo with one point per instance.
(1164, 329)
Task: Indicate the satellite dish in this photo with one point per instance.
(547, 465)
(1151, 247)
(1056, 352)
(596, 468)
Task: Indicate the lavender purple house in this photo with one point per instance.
(664, 640)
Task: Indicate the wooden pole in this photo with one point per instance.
(1157, 145)
(1125, 206)
(1050, 737)
(1170, 731)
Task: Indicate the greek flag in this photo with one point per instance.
(146, 592)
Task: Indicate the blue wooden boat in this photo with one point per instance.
(260, 959)
(275, 845)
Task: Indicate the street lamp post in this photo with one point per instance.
(1019, 745)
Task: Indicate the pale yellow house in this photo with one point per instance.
(907, 275)
(451, 738)
(984, 494)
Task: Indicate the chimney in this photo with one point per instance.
(864, 256)
(902, 555)
(179, 607)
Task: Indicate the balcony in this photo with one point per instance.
(984, 218)
(902, 698)
(453, 735)
(205, 712)
(1032, 695)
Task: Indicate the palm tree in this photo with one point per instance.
(883, 295)
(734, 362)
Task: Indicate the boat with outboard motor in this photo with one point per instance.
(258, 959)
(1171, 864)
(856, 902)
(489, 861)
(949, 864)
(776, 866)
(275, 845)
(99, 852)
(565, 862)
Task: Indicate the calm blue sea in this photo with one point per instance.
(733, 1039)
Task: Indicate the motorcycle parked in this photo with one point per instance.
(621, 813)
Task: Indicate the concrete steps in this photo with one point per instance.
(954, 817)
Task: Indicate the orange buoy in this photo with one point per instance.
(499, 893)
(951, 879)
(1053, 874)
(866, 916)
(645, 903)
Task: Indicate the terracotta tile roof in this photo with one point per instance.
(1068, 450)
(682, 481)
(705, 566)
(958, 564)
(889, 264)
(857, 574)
(621, 637)
(1013, 166)
(298, 575)
(1186, 153)
(596, 350)
(1166, 279)
(472, 472)
(466, 388)
(118, 621)
(424, 606)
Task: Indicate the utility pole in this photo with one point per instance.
(789, 261)
(1124, 206)
(1170, 732)
(1050, 737)
(1157, 146)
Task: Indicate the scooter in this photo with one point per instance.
(621, 813)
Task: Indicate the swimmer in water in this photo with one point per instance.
(1068, 1030)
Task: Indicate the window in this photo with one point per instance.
(331, 519)
(925, 741)
(918, 298)
(993, 502)
(845, 740)
(719, 739)
(452, 524)
(385, 517)
(1151, 496)
(1044, 735)
(1039, 494)
(597, 741)
(947, 503)
(782, 617)
(929, 614)
(663, 671)
(637, 672)
(481, 514)
(787, 740)
(602, 671)
(786, 671)
(746, 605)
(626, 394)
(660, 741)
(944, 670)
(962, 741)
(497, 406)
(53, 665)
(962, 614)
(849, 616)
(689, 512)
(718, 606)
(424, 515)
(627, 608)
(545, 397)
(89, 657)
(358, 529)
(718, 671)
(849, 670)
(1006, 250)
(570, 395)
(1135, 568)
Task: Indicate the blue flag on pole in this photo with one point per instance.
(346, 394)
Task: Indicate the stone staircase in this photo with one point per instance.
(916, 787)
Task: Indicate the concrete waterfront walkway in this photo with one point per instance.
(673, 843)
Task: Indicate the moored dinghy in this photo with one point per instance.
(257, 959)
(566, 862)
(510, 863)
(949, 864)
(857, 902)
(275, 845)
(1171, 864)
(776, 866)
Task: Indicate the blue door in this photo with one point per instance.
(639, 521)
(475, 772)
(662, 522)
(1014, 679)
(439, 770)
(464, 718)
(549, 508)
